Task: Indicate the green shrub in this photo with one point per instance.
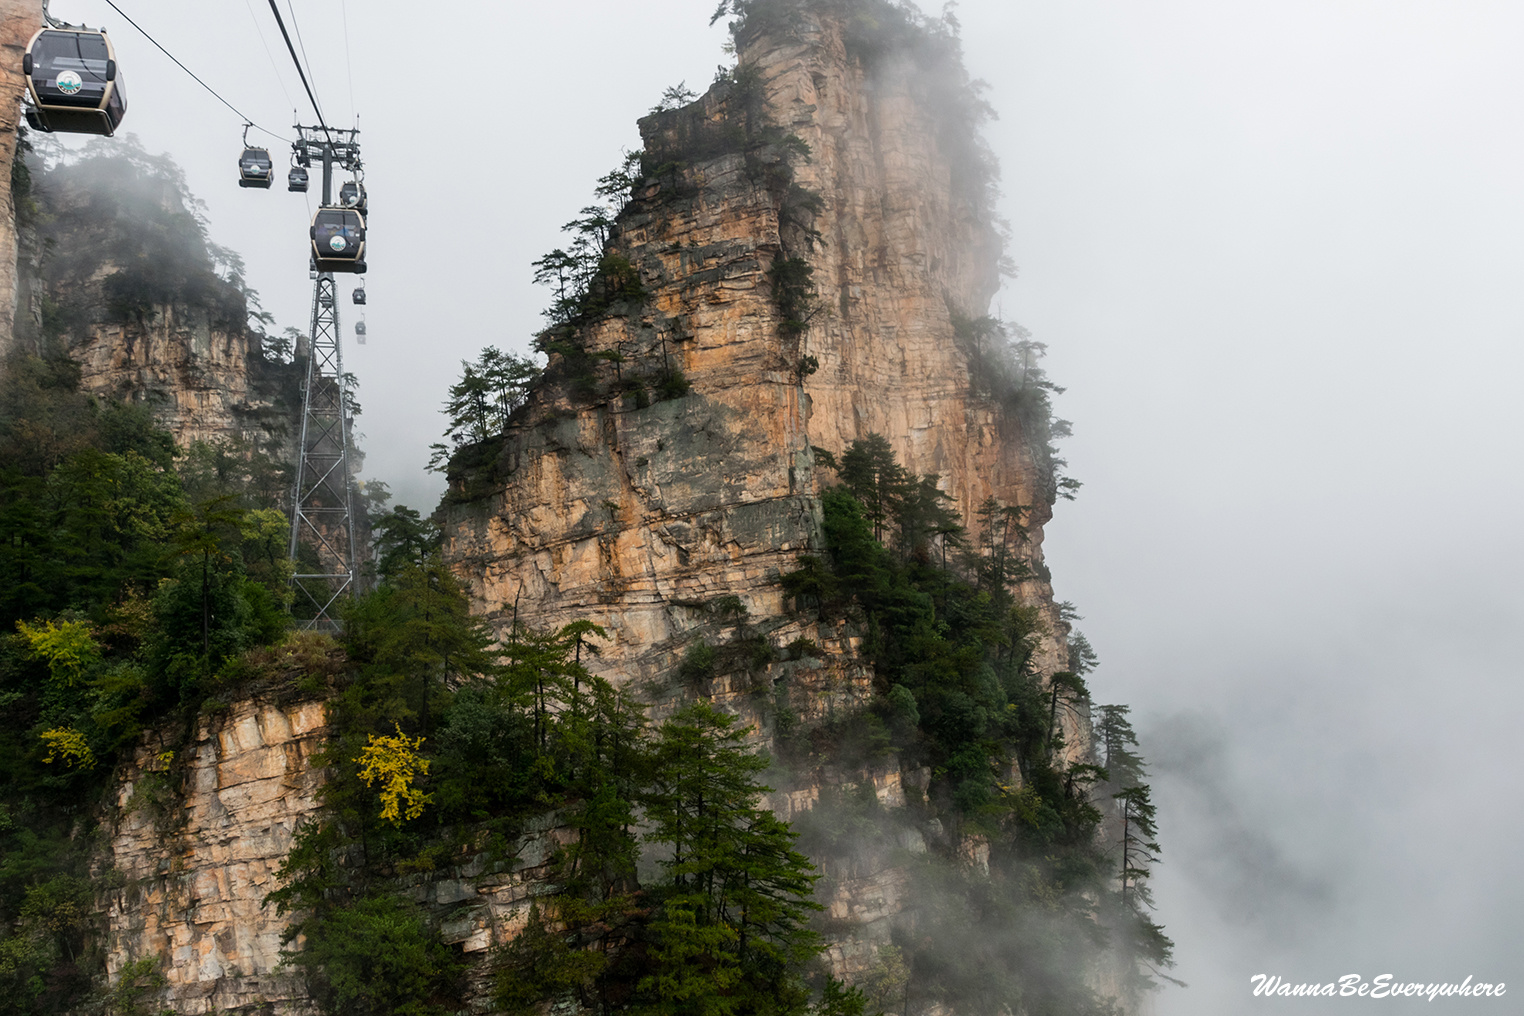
(377, 956)
(794, 295)
(673, 385)
(802, 647)
(698, 663)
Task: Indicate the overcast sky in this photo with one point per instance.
(1275, 252)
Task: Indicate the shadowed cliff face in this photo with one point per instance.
(596, 505)
(18, 20)
(122, 273)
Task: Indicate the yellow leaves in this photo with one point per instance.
(68, 648)
(395, 762)
(1024, 802)
(69, 746)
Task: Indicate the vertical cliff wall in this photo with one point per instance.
(119, 271)
(195, 844)
(854, 156)
(597, 505)
(196, 839)
(18, 20)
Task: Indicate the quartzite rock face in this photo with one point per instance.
(198, 376)
(19, 19)
(197, 843)
(639, 517)
(121, 273)
(636, 517)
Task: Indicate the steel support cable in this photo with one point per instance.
(192, 73)
(301, 73)
(349, 67)
(249, 6)
(301, 44)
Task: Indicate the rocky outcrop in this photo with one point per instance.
(18, 20)
(195, 845)
(127, 283)
(638, 516)
(645, 517)
(200, 376)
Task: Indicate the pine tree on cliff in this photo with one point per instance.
(1140, 939)
(732, 934)
(870, 472)
(574, 942)
(1117, 739)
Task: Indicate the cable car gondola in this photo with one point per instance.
(73, 82)
(360, 329)
(254, 166)
(296, 180)
(352, 195)
(338, 240)
(358, 296)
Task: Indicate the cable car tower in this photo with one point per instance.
(322, 508)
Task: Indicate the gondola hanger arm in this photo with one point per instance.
(53, 22)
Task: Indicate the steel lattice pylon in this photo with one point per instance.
(322, 509)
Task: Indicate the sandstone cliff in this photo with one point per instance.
(195, 841)
(636, 516)
(18, 20)
(642, 516)
(195, 845)
(118, 269)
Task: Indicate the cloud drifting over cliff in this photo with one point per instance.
(1273, 252)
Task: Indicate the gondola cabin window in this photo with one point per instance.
(73, 82)
(70, 68)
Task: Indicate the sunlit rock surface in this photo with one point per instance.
(195, 846)
(638, 518)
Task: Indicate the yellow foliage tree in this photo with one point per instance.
(396, 763)
(69, 746)
(68, 648)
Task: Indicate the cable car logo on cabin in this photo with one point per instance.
(70, 83)
(337, 243)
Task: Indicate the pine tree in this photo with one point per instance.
(1141, 938)
(410, 638)
(870, 472)
(402, 538)
(1114, 734)
(1002, 529)
(469, 406)
(926, 519)
(732, 932)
